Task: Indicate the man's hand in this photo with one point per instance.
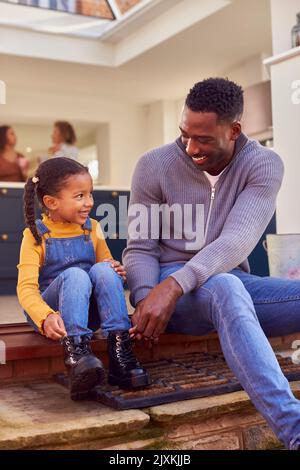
(54, 327)
(134, 320)
(152, 314)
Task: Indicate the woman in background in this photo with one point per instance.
(13, 165)
(63, 138)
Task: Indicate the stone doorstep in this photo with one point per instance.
(226, 421)
(206, 407)
(41, 416)
(32, 356)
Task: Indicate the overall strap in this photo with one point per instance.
(42, 228)
(87, 227)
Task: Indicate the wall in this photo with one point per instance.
(283, 14)
(249, 72)
(162, 117)
(286, 113)
(286, 122)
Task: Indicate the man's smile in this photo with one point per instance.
(200, 160)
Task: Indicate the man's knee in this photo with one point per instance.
(229, 299)
(225, 284)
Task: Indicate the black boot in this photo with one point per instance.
(124, 369)
(85, 370)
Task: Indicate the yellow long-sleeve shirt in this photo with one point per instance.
(32, 259)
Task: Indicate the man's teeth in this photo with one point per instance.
(199, 159)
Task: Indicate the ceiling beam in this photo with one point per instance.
(40, 45)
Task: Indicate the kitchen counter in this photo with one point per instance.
(97, 187)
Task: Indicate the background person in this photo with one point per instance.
(13, 165)
(63, 140)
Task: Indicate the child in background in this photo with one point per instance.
(68, 283)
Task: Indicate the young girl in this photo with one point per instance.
(68, 283)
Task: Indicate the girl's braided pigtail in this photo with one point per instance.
(29, 209)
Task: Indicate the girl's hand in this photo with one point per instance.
(118, 267)
(54, 327)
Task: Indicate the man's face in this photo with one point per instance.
(208, 143)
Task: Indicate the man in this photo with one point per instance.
(195, 291)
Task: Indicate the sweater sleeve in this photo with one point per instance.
(244, 226)
(141, 257)
(28, 281)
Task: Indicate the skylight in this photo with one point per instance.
(85, 18)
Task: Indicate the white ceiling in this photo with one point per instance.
(209, 48)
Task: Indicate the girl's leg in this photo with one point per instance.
(110, 298)
(124, 369)
(70, 294)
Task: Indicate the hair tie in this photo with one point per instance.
(35, 179)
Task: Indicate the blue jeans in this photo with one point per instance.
(243, 309)
(87, 301)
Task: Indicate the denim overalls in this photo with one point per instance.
(87, 294)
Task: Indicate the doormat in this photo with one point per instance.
(193, 375)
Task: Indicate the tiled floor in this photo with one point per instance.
(11, 311)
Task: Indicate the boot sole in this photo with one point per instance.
(85, 382)
(130, 383)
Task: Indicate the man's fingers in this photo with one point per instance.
(143, 319)
(160, 327)
(150, 327)
(132, 329)
(137, 337)
(134, 334)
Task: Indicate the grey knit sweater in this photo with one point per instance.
(235, 216)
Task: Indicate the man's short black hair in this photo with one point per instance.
(217, 95)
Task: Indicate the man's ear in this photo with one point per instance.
(236, 130)
(50, 202)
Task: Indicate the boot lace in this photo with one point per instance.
(124, 352)
(78, 350)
